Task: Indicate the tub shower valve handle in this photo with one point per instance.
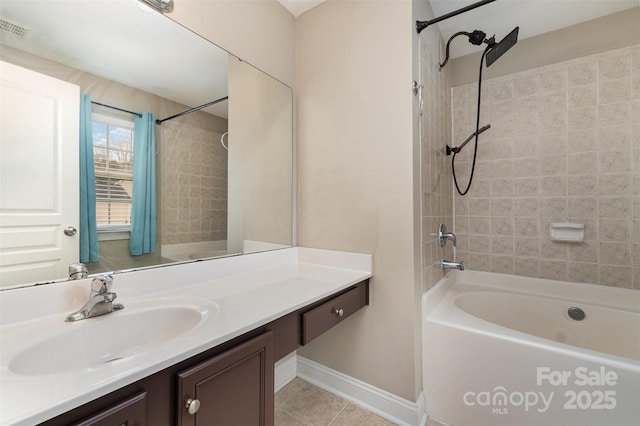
(443, 236)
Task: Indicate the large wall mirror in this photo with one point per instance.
(188, 142)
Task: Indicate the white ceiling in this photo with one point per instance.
(298, 7)
(534, 17)
(123, 41)
(500, 17)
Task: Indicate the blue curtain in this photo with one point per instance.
(143, 203)
(89, 251)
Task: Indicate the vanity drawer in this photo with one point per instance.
(130, 412)
(323, 317)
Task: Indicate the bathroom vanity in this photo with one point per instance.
(249, 312)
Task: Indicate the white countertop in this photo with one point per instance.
(239, 293)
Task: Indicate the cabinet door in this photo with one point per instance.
(130, 412)
(234, 388)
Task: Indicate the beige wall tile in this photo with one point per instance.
(502, 245)
(502, 206)
(614, 114)
(615, 207)
(586, 251)
(582, 72)
(582, 140)
(552, 80)
(528, 267)
(615, 276)
(615, 65)
(614, 161)
(582, 185)
(564, 144)
(615, 253)
(527, 247)
(583, 272)
(583, 163)
(526, 207)
(582, 96)
(619, 184)
(553, 269)
(525, 85)
(526, 227)
(615, 90)
(502, 264)
(615, 230)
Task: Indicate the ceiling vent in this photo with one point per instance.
(11, 27)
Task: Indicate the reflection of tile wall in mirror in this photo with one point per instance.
(188, 71)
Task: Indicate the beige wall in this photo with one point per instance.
(260, 158)
(564, 144)
(260, 32)
(356, 177)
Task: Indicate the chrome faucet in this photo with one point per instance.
(78, 271)
(100, 300)
(445, 264)
(443, 236)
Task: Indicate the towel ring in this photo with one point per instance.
(222, 140)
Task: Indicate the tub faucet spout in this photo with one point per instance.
(445, 264)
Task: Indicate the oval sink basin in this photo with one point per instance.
(95, 342)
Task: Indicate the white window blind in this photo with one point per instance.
(113, 161)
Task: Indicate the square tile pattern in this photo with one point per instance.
(435, 168)
(564, 145)
(300, 403)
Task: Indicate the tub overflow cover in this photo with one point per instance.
(576, 313)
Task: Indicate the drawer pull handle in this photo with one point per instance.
(192, 406)
(338, 312)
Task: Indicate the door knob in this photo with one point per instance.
(192, 406)
(70, 231)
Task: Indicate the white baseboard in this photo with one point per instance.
(384, 404)
(285, 371)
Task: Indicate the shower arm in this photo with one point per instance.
(446, 56)
(457, 149)
(476, 38)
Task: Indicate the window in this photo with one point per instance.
(113, 160)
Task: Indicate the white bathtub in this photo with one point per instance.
(502, 350)
(191, 251)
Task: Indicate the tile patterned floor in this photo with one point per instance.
(300, 403)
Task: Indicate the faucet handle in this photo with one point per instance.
(101, 284)
(443, 236)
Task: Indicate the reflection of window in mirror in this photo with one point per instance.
(113, 161)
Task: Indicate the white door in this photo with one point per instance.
(39, 149)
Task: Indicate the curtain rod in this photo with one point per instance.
(116, 108)
(421, 25)
(198, 108)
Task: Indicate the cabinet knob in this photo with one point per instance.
(192, 405)
(338, 312)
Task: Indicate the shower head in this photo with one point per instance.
(496, 50)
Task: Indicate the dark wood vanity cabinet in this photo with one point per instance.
(233, 388)
(129, 412)
(232, 383)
